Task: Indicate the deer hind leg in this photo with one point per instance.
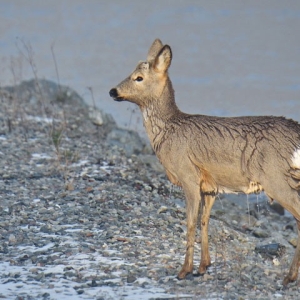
(293, 272)
(192, 193)
(208, 201)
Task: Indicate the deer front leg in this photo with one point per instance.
(192, 193)
(207, 204)
(293, 273)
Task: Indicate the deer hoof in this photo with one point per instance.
(184, 273)
(187, 276)
(288, 280)
(202, 268)
(198, 274)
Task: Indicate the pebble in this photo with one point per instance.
(293, 242)
(260, 233)
(95, 116)
(131, 278)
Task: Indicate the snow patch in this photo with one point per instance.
(19, 281)
(80, 163)
(40, 156)
(41, 119)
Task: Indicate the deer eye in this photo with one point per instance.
(139, 78)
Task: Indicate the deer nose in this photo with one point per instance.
(113, 93)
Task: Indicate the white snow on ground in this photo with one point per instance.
(60, 287)
(41, 119)
(40, 156)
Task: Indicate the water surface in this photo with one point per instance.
(229, 57)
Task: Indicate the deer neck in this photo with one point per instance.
(158, 113)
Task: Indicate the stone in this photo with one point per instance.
(127, 140)
(95, 115)
(275, 206)
(131, 278)
(293, 242)
(152, 162)
(260, 233)
(162, 209)
(12, 239)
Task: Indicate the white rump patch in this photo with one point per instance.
(296, 159)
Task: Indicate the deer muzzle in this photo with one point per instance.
(114, 94)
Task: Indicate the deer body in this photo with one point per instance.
(207, 155)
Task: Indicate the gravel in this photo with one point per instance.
(84, 218)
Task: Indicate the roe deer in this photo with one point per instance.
(207, 155)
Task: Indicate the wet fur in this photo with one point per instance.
(207, 155)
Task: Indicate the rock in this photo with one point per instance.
(207, 277)
(276, 207)
(246, 278)
(290, 226)
(293, 242)
(12, 239)
(55, 102)
(80, 292)
(96, 116)
(260, 233)
(180, 203)
(152, 162)
(162, 209)
(93, 283)
(35, 91)
(271, 250)
(131, 278)
(108, 121)
(128, 140)
(46, 229)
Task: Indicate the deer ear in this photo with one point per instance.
(154, 49)
(163, 59)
